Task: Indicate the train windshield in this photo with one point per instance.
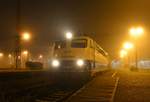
(79, 43)
(60, 45)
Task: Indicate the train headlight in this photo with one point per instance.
(55, 63)
(80, 62)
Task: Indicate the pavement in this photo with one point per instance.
(121, 85)
(133, 86)
(101, 89)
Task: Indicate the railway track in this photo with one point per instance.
(65, 90)
(100, 89)
(58, 95)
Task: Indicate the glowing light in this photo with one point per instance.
(1, 54)
(69, 35)
(55, 63)
(26, 36)
(140, 30)
(40, 56)
(123, 53)
(9, 55)
(80, 62)
(136, 31)
(19, 57)
(128, 45)
(25, 52)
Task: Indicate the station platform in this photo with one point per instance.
(101, 89)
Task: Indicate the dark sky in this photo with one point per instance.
(107, 21)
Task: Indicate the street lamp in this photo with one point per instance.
(128, 45)
(135, 33)
(25, 53)
(69, 35)
(40, 56)
(26, 36)
(19, 38)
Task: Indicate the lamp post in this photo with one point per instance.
(17, 38)
(135, 33)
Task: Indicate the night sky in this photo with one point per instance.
(107, 21)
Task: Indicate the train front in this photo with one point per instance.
(70, 55)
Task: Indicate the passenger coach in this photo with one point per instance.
(79, 54)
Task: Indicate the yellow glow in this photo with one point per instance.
(40, 56)
(140, 30)
(25, 52)
(132, 31)
(128, 45)
(123, 53)
(19, 57)
(80, 62)
(136, 31)
(9, 55)
(69, 35)
(55, 63)
(1, 54)
(26, 36)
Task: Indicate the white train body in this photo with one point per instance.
(79, 54)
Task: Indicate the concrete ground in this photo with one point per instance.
(121, 85)
(133, 86)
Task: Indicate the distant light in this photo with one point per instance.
(25, 52)
(140, 30)
(1, 54)
(69, 35)
(40, 56)
(123, 53)
(19, 57)
(136, 31)
(132, 31)
(9, 55)
(128, 45)
(26, 36)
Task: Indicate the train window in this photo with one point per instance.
(60, 45)
(79, 43)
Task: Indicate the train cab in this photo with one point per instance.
(77, 54)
